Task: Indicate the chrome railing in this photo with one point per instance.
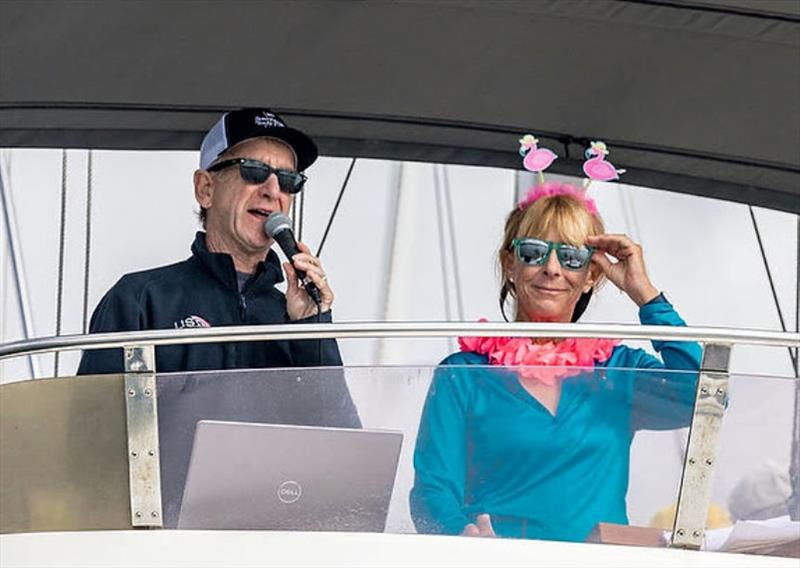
(379, 330)
(140, 367)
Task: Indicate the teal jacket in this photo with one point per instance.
(485, 445)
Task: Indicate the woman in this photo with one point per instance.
(520, 448)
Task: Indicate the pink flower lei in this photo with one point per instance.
(545, 362)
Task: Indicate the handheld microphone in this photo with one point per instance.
(279, 227)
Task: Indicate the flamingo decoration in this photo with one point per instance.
(536, 159)
(597, 168)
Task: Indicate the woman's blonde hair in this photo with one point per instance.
(561, 208)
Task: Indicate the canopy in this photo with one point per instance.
(696, 97)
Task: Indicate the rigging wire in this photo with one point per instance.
(452, 234)
(336, 207)
(15, 254)
(792, 355)
(88, 240)
(437, 191)
(293, 215)
(629, 211)
(301, 214)
(394, 244)
(61, 251)
(5, 243)
(794, 468)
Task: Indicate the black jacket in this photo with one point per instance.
(202, 291)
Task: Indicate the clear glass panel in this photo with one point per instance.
(753, 484)
(609, 449)
(606, 453)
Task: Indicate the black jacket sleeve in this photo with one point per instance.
(316, 352)
(338, 408)
(119, 310)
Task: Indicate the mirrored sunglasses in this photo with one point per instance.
(535, 252)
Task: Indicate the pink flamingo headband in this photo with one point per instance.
(539, 159)
(551, 188)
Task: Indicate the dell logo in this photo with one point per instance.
(289, 492)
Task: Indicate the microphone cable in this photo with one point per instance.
(319, 320)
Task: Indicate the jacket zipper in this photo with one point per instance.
(242, 307)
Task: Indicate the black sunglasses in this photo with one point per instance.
(254, 171)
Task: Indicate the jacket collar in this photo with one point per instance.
(220, 265)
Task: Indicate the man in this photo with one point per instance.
(250, 166)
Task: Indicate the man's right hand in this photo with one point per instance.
(481, 527)
(299, 304)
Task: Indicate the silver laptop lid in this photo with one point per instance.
(268, 476)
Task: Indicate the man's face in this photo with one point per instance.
(236, 210)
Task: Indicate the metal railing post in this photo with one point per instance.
(144, 466)
(694, 495)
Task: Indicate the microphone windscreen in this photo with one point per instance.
(276, 222)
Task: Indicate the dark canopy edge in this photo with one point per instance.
(348, 135)
(501, 159)
(721, 9)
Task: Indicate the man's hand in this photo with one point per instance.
(299, 304)
(481, 527)
(628, 273)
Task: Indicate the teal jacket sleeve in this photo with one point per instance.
(440, 456)
(663, 399)
(676, 355)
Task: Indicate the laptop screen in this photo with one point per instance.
(252, 476)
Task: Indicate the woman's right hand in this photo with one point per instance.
(481, 527)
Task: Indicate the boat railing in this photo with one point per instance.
(381, 330)
(109, 435)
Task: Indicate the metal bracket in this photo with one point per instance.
(694, 495)
(144, 465)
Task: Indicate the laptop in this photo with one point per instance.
(252, 476)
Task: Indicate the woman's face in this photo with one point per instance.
(547, 292)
